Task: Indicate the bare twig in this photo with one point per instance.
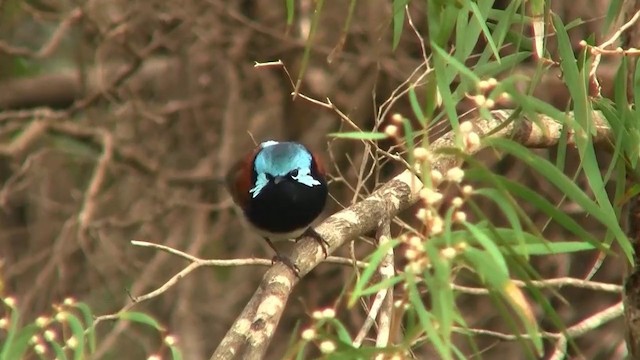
(387, 271)
(549, 283)
(99, 177)
(383, 298)
(601, 49)
(592, 322)
(51, 45)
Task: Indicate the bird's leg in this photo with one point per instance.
(279, 257)
(312, 233)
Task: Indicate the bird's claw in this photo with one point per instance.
(287, 262)
(312, 233)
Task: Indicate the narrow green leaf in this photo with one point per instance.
(554, 248)
(416, 107)
(494, 68)
(443, 81)
(176, 354)
(77, 331)
(490, 272)
(508, 210)
(457, 65)
(398, 20)
(492, 250)
(17, 348)
(87, 316)
(426, 320)
(438, 281)
(376, 259)
(12, 331)
(613, 12)
(558, 216)
(566, 185)
(636, 81)
(341, 331)
(290, 10)
(482, 22)
(384, 284)
(58, 350)
(141, 318)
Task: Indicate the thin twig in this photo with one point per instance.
(549, 283)
(581, 328)
(387, 271)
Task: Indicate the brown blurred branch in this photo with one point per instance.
(48, 48)
(62, 89)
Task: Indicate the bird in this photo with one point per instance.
(281, 188)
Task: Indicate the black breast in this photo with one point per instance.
(287, 206)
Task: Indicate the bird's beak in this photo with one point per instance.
(278, 179)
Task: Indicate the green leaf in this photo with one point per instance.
(12, 332)
(415, 106)
(426, 320)
(77, 331)
(482, 21)
(613, 12)
(87, 316)
(566, 185)
(398, 20)
(554, 248)
(16, 347)
(141, 318)
(558, 216)
(438, 281)
(290, 11)
(490, 272)
(374, 262)
(505, 204)
(384, 284)
(494, 68)
(58, 350)
(176, 354)
(341, 331)
(453, 62)
(495, 256)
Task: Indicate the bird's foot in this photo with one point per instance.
(287, 262)
(312, 233)
(283, 259)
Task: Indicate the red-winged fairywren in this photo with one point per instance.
(281, 189)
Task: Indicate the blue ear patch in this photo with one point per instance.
(280, 159)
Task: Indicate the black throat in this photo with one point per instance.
(287, 206)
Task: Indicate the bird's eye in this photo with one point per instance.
(293, 173)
